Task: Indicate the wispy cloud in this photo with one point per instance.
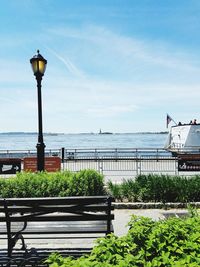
(68, 64)
(132, 49)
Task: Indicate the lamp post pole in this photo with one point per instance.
(38, 65)
(40, 145)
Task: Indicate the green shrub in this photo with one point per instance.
(160, 188)
(174, 242)
(87, 182)
(115, 190)
(157, 188)
(130, 190)
(43, 184)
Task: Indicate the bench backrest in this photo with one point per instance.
(94, 208)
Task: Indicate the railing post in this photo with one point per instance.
(63, 154)
(96, 154)
(116, 154)
(139, 168)
(176, 166)
(100, 166)
(63, 158)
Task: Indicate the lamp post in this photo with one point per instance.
(38, 64)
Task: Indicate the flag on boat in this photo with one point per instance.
(169, 119)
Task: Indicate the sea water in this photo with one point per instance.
(26, 141)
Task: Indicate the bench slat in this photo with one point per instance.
(66, 227)
(84, 217)
(58, 200)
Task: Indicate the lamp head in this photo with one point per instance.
(38, 64)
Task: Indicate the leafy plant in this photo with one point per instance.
(174, 242)
(43, 184)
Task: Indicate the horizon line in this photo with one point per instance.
(95, 133)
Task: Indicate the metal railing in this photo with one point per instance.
(115, 164)
(114, 153)
(28, 153)
(124, 168)
(120, 163)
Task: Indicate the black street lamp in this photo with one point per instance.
(38, 64)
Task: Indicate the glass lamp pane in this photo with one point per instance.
(38, 66)
(34, 66)
(41, 66)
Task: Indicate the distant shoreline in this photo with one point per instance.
(35, 133)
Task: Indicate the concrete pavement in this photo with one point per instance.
(123, 216)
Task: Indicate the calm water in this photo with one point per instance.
(136, 140)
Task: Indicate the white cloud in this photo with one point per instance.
(132, 50)
(101, 75)
(68, 64)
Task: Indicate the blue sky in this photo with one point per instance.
(118, 65)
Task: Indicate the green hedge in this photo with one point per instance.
(83, 183)
(157, 188)
(165, 243)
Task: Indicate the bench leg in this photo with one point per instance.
(15, 238)
(12, 242)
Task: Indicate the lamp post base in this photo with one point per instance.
(40, 156)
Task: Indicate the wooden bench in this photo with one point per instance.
(45, 225)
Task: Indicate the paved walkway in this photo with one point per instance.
(122, 216)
